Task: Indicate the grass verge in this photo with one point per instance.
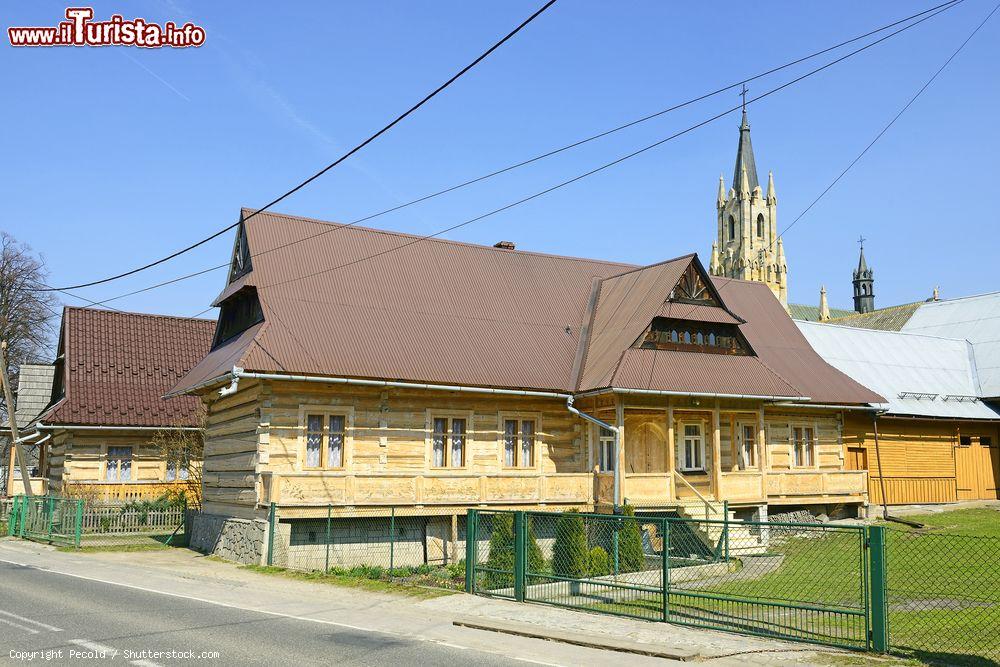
(364, 583)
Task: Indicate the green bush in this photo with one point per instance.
(501, 554)
(536, 561)
(598, 562)
(3, 528)
(569, 552)
(630, 555)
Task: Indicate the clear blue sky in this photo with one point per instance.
(114, 156)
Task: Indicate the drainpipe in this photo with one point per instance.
(234, 385)
(613, 429)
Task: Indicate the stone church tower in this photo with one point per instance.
(748, 246)
(864, 285)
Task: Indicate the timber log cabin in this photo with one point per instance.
(444, 376)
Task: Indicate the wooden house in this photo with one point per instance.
(936, 439)
(107, 404)
(34, 390)
(356, 370)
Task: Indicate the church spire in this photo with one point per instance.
(864, 284)
(744, 156)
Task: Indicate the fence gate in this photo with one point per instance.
(806, 582)
(47, 518)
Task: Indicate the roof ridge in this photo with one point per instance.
(104, 311)
(650, 266)
(846, 327)
(389, 232)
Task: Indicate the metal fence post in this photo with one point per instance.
(25, 510)
(270, 534)
(519, 555)
(392, 540)
(79, 522)
(51, 509)
(665, 568)
(471, 549)
(326, 567)
(878, 602)
(725, 526)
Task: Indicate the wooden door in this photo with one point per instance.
(977, 467)
(645, 443)
(857, 458)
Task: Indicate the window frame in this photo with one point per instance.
(325, 412)
(793, 462)
(449, 415)
(682, 466)
(106, 452)
(740, 441)
(520, 418)
(606, 454)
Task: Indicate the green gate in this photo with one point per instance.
(47, 519)
(806, 582)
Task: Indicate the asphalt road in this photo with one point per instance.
(91, 622)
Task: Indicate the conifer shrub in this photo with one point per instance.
(569, 551)
(630, 555)
(501, 555)
(598, 562)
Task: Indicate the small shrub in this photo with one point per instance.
(598, 562)
(456, 570)
(501, 553)
(3, 528)
(536, 561)
(630, 555)
(569, 551)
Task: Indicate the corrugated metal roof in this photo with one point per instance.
(449, 312)
(974, 318)
(893, 318)
(117, 366)
(918, 375)
(685, 311)
(801, 311)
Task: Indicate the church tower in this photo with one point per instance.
(864, 285)
(748, 246)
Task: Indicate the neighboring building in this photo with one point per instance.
(747, 245)
(937, 440)
(111, 371)
(355, 369)
(34, 389)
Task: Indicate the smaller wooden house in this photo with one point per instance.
(107, 404)
(936, 439)
(34, 390)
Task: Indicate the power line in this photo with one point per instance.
(332, 228)
(604, 166)
(328, 167)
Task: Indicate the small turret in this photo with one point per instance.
(744, 184)
(715, 266)
(824, 308)
(720, 201)
(771, 197)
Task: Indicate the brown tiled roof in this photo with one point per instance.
(117, 366)
(448, 312)
(893, 318)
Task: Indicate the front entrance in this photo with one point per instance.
(977, 468)
(646, 442)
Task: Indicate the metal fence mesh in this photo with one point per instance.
(397, 544)
(801, 581)
(944, 596)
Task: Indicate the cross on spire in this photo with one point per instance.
(743, 93)
(861, 242)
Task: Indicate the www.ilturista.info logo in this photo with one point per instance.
(81, 30)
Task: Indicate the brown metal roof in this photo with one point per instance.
(117, 366)
(695, 313)
(368, 303)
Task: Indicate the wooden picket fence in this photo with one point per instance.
(114, 520)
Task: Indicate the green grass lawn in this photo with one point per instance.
(943, 589)
(351, 581)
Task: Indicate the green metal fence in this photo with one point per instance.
(80, 523)
(943, 597)
(401, 544)
(807, 582)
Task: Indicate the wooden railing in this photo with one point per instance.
(817, 483)
(310, 489)
(39, 486)
(127, 492)
(709, 507)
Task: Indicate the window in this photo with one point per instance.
(965, 441)
(178, 470)
(746, 454)
(237, 314)
(693, 450)
(986, 441)
(606, 450)
(732, 228)
(448, 442)
(802, 445)
(519, 443)
(666, 333)
(760, 225)
(325, 440)
(119, 464)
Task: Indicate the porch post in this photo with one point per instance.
(762, 462)
(671, 449)
(716, 451)
(620, 453)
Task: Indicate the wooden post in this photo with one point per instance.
(12, 420)
(716, 451)
(671, 447)
(762, 463)
(454, 539)
(620, 454)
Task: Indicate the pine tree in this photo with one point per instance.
(569, 552)
(501, 553)
(599, 563)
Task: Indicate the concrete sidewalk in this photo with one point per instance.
(186, 574)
